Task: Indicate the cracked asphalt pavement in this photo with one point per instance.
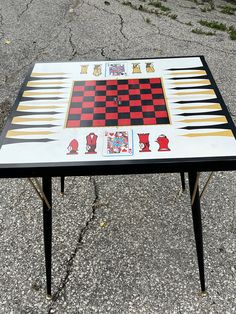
(121, 244)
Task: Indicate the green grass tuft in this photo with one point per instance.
(201, 32)
(214, 24)
(232, 33)
(159, 5)
(226, 9)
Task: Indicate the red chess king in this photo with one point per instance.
(144, 142)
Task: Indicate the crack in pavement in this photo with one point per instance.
(26, 9)
(111, 13)
(73, 46)
(79, 244)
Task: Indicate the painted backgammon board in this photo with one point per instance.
(118, 110)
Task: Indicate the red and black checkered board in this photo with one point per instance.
(140, 102)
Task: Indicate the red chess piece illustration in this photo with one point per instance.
(144, 142)
(91, 140)
(163, 142)
(73, 147)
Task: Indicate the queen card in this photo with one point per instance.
(118, 143)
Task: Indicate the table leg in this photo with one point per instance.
(62, 185)
(197, 225)
(47, 229)
(182, 180)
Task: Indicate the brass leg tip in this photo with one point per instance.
(48, 296)
(203, 294)
(62, 194)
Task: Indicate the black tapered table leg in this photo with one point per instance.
(62, 185)
(47, 229)
(182, 180)
(197, 225)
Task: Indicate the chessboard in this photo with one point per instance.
(123, 102)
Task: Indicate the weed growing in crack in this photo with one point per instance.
(148, 20)
(226, 9)
(214, 24)
(159, 5)
(232, 32)
(173, 16)
(201, 32)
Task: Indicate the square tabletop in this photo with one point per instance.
(161, 112)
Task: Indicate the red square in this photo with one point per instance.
(100, 98)
(111, 82)
(101, 87)
(111, 93)
(99, 110)
(89, 93)
(73, 123)
(160, 101)
(146, 96)
(111, 115)
(75, 110)
(86, 116)
(111, 104)
(149, 121)
(78, 88)
(98, 122)
(123, 87)
(145, 86)
(155, 80)
(124, 122)
(124, 109)
(148, 108)
(90, 83)
(124, 97)
(87, 104)
(136, 115)
(157, 91)
(77, 99)
(135, 103)
(135, 81)
(161, 114)
(134, 91)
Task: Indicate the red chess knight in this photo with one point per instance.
(144, 142)
(91, 145)
(163, 142)
(73, 147)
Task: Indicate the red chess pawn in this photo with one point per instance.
(163, 142)
(73, 147)
(144, 142)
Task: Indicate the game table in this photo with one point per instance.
(118, 117)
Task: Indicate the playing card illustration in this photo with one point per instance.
(118, 143)
(116, 69)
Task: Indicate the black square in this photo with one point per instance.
(86, 123)
(99, 83)
(149, 114)
(100, 93)
(87, 110)
(123, 92)
(111, 87)
(112, 122)
(134, 97)
(144, 81)
(100, 104)
(136, 121)
(99, 116)
(158, 96)
(87, 88)
(111, 109)
(145, 91)
(162, 120)
(122, 82)
(136, 109)
(88, 98)
(73, 117)
(123, 115)
(133, 86)
(79, 83)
